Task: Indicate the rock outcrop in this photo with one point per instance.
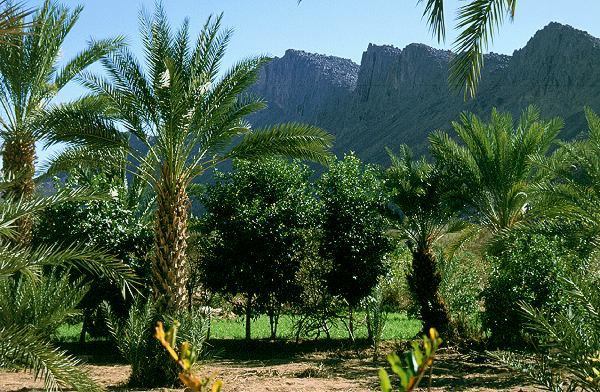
(398, 96)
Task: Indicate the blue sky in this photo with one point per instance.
(337, 27)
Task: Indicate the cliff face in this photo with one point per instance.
(399, 96)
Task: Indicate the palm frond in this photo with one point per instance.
(22, 347)
(434, 11)
(291, 140)
(477, 20)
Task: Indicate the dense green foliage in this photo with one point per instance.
(528, 270)
(260, 216)
(354, 226)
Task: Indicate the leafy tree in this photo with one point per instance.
(422, 218)
(34, 302)
(119, 224)
(490, 173)
(261, 216)
(189, 116)
(354, 226)
(30, 78)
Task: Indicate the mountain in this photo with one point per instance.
(399, 96)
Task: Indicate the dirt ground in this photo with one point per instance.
(279, 369)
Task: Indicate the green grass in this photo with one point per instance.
(398, 327)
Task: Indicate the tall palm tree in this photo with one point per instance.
(491, 170)
(30, 78)
(188, 117)
(423, 218)
(34, 302)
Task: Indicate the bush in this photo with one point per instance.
(133, 337)
(464, 277)
(526, 270)
(567, 344)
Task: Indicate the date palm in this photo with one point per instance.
(188, 116)
(490, 169)
(423, 218)
(572, 188)
(29, 80)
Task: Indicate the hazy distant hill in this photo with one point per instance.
(400, 95)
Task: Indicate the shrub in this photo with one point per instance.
(567, 344)
(464, 276)
(526, 270)
(133, 338)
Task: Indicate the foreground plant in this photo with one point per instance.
(413, 365)
(35, 301)
(186, 117)
(567, 345)
(185, 357)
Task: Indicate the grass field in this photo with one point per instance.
(398, 326)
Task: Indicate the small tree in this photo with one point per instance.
(354, 227)
(261, 215)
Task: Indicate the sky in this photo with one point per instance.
(342, 28)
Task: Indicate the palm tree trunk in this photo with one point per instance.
(424, 281)
(171, 234)
(18, 161)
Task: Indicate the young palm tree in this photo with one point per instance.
(491, 172)
(572, 188)
(423, 217)
(29, 79)
(34, 302)
(188, 117)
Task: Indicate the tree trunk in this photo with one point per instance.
(171, 233)
(18, 162)
(351, 323)
(248, 316)
(424, 281)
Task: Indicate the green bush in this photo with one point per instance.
(133, 337)
(464, 276)
(527, 269)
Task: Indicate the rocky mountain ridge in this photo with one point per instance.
(398, 95)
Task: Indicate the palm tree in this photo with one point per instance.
(418, 207)
(491, 172)
(29, 79)
(572, 187)
(189, 119)
(33, 302)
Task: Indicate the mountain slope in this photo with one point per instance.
(398, 96)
